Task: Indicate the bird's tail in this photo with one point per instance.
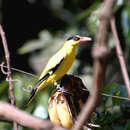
(39, 85)
(33, 94)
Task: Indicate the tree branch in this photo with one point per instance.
(7, 56)
(120, 55)
(117, 97)
(18, 70)
(99, 53)
(10, 112)
(33, 75)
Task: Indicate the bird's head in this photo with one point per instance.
(76, 40)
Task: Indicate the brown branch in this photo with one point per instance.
(99, 54)
(33, 75)
(18, 70)
(118, 97)
(7, 56)
(10, 112)
(120, 55)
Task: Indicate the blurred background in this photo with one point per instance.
(36, 29)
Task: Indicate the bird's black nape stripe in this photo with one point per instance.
(75, 38)
(70, 38)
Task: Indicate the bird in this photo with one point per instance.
(67, 101)
(58, 65)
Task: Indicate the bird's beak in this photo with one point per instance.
(85, 39)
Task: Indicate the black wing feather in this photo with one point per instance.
(32, 94)
(51, 71)
(55, 68)
(48, 74)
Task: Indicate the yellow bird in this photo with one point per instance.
(59, 64)
(67, 101)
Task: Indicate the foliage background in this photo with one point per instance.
(36, 29)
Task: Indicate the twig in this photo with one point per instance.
(25, 119)
(7, 56)
(118, 97)
(120, 55)
(2, 68)
(27, 73)
(18, 70)
(99, 54)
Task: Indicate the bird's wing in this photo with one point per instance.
(50, 72)
(54, 62)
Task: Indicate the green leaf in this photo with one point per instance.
(109, 87)
(85, 13)
(127, 126)
(3, 86)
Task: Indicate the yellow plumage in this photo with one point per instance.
(58, 64)
(59, 110)
(67, 101)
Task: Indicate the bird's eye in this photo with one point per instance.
(73, 38)
(70, 38)
(76, 38)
